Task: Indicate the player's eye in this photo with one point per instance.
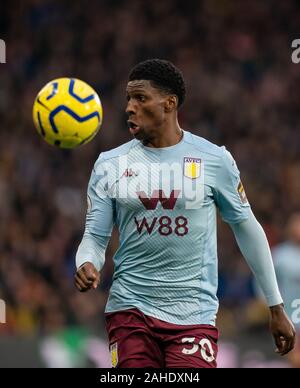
(141, 98)
(138, 97)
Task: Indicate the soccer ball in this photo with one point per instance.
(67, 112)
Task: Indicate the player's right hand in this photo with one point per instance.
(282, 329)
(87, 277)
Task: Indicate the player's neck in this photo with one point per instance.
(169, 135)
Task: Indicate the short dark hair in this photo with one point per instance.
(162, 74)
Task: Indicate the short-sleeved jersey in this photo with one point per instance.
(164, 201)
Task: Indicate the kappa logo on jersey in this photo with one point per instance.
(114, 354)
(159, 195)
(129, 172)
(242, 193)
(191, 167)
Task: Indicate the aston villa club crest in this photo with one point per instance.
(114, 354)
(192, 167)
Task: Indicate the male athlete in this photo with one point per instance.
(161, 189)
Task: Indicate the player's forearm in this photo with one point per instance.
(255, 248)
(92, 249)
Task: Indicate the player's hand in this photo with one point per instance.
(87, 277)
(282, 329)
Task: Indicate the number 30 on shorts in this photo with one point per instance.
(204, 345)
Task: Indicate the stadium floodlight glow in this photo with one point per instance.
(2, 51)
(2, 311)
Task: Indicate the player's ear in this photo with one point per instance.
(171, 103)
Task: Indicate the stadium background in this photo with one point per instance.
(242, 91)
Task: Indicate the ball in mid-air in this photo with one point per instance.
(67, 112)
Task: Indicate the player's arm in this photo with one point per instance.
(99, 222)
(232, 202)
(254, 246)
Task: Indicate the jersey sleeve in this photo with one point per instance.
(229, 193)
(100, 212)
(254, 246)
(99, 219)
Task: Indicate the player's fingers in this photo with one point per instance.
(81, 288)
(82, 275)
(80, 284)
(289, 344)
(89, 272)
(279, 343)
(97, 280)
(285, 344)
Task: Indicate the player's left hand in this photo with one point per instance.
(282, 330)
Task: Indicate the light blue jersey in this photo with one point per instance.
(164, 201)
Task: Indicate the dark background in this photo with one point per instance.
(242, 92)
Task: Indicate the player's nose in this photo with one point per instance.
(130, 108)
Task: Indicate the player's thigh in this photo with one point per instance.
(131, 343)
(196, 348)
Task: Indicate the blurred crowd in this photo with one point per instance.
(242, 91)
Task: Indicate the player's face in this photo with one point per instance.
(145, 109)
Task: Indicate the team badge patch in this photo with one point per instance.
(114, 354)
(242, 193)
(191, 167)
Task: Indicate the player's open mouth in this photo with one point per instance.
(133, 128)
